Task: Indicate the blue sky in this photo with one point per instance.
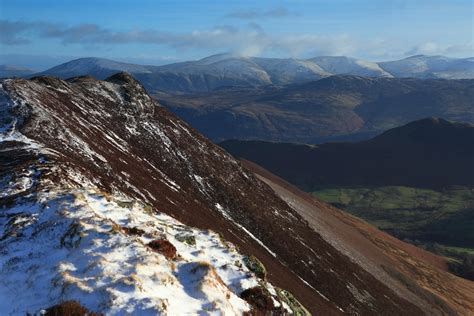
(42, 33)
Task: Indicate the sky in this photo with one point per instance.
(42, 33)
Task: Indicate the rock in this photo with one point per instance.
(164, 247)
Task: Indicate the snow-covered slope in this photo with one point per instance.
(224, 67)
(422, 66)
(342, 65)
(224, 70)
(87, 246)
(286, 71)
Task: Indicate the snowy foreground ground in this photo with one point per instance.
(76, 244)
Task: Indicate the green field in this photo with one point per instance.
(440, 221)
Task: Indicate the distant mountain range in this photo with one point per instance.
(224, 70)
(8, 71)
(421, 66)
(315, 100)
(432, 153)
(333, 108)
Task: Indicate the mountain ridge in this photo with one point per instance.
(334, 108)
(430, 152)
(220, 70)
(62, 139)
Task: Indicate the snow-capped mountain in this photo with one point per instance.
(422, 66)
(250, 70)
(286, 71)
(100, 68)
(224, 70)
(110, 204)
(342, 65)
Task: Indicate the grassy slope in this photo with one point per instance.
(440, 221)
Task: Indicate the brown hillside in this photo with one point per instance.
(418, 275)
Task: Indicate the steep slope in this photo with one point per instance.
(333, 108)
(431, 153)
(399, 265)
(422, 66)
(88, 164)
(76, 241)
(415, 182)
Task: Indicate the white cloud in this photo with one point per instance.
(433, 48)
(248, 40)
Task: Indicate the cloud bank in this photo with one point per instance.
(250, 40)
(433, 48)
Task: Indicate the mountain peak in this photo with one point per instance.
(231, 69)
(133, 92)
(416, 56)
(432, 121)
(218, 58)
(436, 122)
(432, 130)
(122, 78)
(47, 80)
(99, 68)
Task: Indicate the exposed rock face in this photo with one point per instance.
(87, 158)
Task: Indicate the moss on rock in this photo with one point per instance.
(256, 266)
(288, 298)
(187, 239)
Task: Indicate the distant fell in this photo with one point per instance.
(431, 153)
(224, 70)
(342, 108)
